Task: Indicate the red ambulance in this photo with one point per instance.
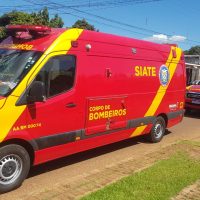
(64, 91)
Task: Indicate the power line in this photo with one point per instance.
(119, 22)
(108, 3)
(102, 23)
(59, 7)
(90, 4)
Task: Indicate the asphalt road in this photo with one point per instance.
(51, 174)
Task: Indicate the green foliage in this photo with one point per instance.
(163, 181)
(36, 18)
(193, 51)
(56, 22)
(2, 33)
(83, 24)
(16, 17)
(41, 18)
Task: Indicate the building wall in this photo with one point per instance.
(192, 68)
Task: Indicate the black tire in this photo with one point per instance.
(158, 130)
(14, 167)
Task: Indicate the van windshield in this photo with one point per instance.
(14, 65)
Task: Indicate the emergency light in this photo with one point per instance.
(32, 30)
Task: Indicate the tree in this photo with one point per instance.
(16, 17)
(84, 25)
(56, 22)
(2, 33)
(193, 51)
(39, 18)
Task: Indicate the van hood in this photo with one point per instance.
(2, 101)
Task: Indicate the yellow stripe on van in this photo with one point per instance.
(10, 113)
(172, 65)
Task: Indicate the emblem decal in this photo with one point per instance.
(164, 75)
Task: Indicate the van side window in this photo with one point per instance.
(58, 74)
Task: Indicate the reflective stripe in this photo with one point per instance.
(10, 113)
(172, 65)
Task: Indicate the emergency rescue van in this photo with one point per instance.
(64, 91)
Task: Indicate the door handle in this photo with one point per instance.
(71, 105)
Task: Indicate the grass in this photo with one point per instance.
(193, 143)
(163, 180)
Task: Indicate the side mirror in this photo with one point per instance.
(36, 92)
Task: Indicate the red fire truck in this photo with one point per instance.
(64, 91)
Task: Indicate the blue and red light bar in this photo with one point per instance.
(30, 29)
(25, 28)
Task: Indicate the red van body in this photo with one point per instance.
(118, 88)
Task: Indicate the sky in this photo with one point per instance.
(161, 21)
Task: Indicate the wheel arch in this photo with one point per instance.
(27, 145)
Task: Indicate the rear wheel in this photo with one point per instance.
(14, 167)
(158, 130)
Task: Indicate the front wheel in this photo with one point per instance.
(14, 167)
(158, 130)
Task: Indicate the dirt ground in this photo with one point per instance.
(190, 193)
(77, 175)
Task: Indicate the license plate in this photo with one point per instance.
(196, 101)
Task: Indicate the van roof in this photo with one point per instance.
(43, 42)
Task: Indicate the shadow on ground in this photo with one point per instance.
(193, 114)
(75, 158)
